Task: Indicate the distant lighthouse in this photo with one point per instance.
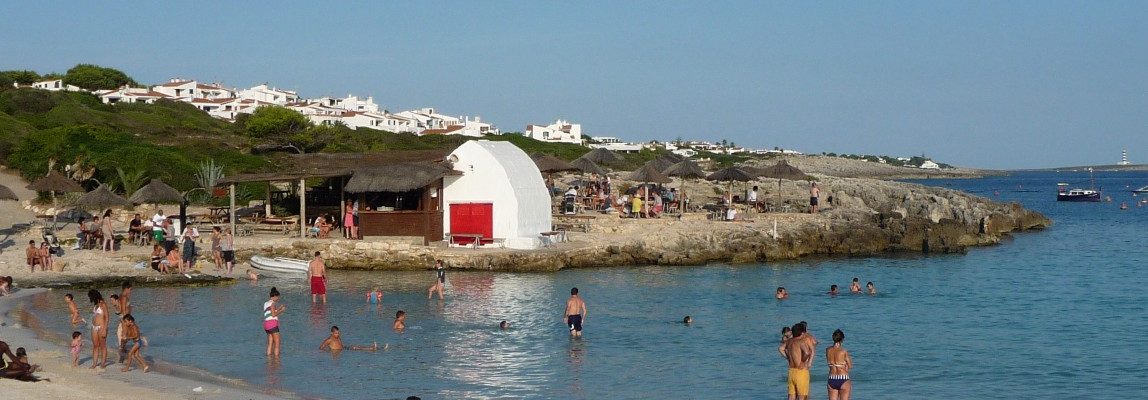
(1124, 157)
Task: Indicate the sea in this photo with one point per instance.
(1057, 313)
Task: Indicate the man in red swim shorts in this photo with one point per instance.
(317, 274)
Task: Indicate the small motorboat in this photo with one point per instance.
(1142, 190)
(1063, 193)
(279, 264)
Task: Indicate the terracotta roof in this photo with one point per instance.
(448, 129)
(173, 84)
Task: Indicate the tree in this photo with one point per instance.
(23, 77)
(274, 122)
(94, 77)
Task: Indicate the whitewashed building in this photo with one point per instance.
(350, 103)
(560, 131)
(929, 164)
(56, 85)
(500, 194)
(267, 94)
(129, 95)
(185, 89)
(380, 121)
(614, 144)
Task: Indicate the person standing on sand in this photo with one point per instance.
(216, 250)
(157, 227)
(109, 245)
(317, 275)
(440, 280)
(799, 354)
(271, 322)
(575, 313)
(814, 193)
(227, 249)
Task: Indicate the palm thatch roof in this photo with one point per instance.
(782, 170)
(397, 178)
(672, 158)
(327, 165)
(587, 166)
(730, 174)
(56, 182)
(156, 192)
(6, 193)
(101, 198)
(549, 163)
(602, 156)
(685, 169)
(660, 164)
(648, 174)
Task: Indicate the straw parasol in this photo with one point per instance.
(730, 174)
(101, 198)
(56, 182)
(648, 174)
(6, 193)
(587, 166)
(782, 170)
(156, 192)
(660, 164)
(602, 156)
(685, 170)
(549, 163)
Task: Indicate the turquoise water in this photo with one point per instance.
(1055, 314)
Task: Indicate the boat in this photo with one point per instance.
(279, 264)
(1142, 190)
(1063, 193)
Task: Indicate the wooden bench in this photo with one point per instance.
(453, 238)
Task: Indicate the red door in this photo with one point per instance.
(472, 218)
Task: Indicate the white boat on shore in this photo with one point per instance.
(279, 264)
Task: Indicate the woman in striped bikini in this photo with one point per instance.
(839, 385)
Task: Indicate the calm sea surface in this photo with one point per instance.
(1055, 314)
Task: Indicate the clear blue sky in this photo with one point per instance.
(991, 84)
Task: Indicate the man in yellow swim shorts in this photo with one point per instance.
(799, 353)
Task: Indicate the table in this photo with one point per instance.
(548, 238)
(475, 238)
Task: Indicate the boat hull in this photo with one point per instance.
(1081, 198)
(279, 264)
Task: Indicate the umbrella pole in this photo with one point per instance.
(55, 211)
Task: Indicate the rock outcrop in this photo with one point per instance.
(865, 218)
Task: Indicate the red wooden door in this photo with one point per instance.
(473, 218)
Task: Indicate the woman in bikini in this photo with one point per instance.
(156, 258)
(216, 250)
(46, 256)
(839, 385)
(99, 328)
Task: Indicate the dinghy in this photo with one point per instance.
(279, 264)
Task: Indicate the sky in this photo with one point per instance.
(992, 84)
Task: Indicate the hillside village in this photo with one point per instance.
(355, 112)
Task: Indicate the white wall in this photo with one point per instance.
(502, 174)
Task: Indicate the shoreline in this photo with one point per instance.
(165, 381)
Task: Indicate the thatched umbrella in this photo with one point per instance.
(648, 174)
(101, 198)
(730, 174)
(549, 164)
(660, 164)
(686, 170)
(672, 158)
(585, 165)
(782, 170)
(156, 192)
(6, 193)
(56, 182)
(602, 156)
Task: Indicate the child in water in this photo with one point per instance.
(335, 342)
(77, 344)
(132, 336)
(375, 296)
(76, 320)
(400, 321)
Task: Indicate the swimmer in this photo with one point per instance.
(872, 289)
(688, 320)
(832, 290)
(335, 342)
(782, 294)
(252, 275)
(375, 296)
(504, 325)
(400, 321)
(839, 384)
(575, 313)
(855, 287)
(77, 345)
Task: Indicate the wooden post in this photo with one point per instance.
(231, 210)
(302, 208)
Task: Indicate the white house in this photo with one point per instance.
(468, 127)
(350, 103)
(57, 85)
(381, 121)
(929, 164)
(614, 144)
(129, 95)
(500, 194)
(427, 118)
(268, 94)
(560, 131)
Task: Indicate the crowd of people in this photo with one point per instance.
(130, 341)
